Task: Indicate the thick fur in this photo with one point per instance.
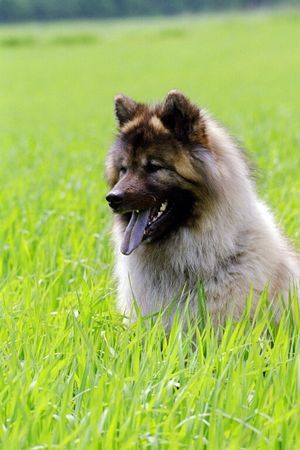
(229, 243)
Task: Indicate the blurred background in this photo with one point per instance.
(13, 10)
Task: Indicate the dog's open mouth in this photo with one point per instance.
(144, 225)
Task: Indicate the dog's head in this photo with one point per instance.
(155, 167)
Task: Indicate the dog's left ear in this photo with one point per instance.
(125, 109)
(180, 116)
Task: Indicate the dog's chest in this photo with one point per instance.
(153, 281)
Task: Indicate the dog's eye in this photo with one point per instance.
(153, 167)
(122, 170)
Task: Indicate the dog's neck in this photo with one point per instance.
(199, 250)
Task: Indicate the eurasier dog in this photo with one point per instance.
(186, 212)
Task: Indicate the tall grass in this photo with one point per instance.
(71, 375)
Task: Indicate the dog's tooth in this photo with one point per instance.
(163, 206)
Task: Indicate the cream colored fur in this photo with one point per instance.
(236, 248)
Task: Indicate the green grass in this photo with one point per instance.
(71, 376)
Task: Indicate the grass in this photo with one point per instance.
(71, 376)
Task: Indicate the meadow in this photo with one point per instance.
(71, 375)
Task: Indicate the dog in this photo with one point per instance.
(186, 212)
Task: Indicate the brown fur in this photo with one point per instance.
(221, 235)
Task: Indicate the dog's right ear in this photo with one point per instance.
(125, 109)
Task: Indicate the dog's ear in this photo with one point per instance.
(125, 109)
(179, 115)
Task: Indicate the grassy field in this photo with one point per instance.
(71, 376)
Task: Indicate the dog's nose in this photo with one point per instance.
(115, 198)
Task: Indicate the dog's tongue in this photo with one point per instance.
(135, 231)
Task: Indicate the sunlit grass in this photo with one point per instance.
(71, 375)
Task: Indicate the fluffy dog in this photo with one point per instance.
(186, 212)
